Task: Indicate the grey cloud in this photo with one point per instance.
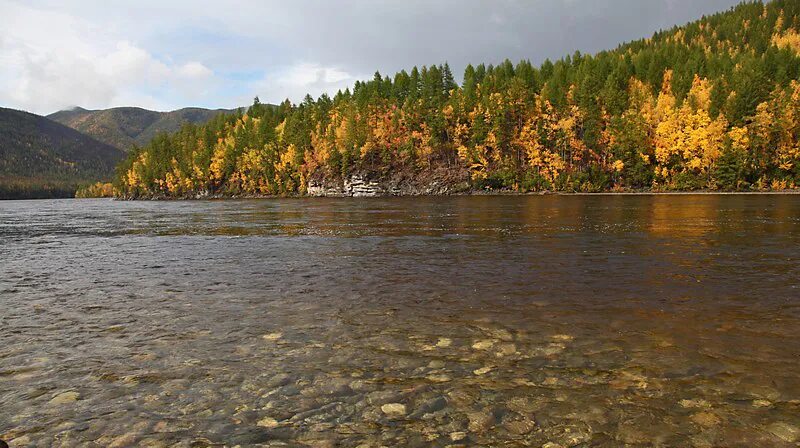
(385, 35)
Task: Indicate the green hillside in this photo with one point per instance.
(125, 127)
(42, 158)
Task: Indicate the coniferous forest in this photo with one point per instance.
(713, 105)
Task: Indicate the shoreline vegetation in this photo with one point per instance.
(713, 105)
(95, 190)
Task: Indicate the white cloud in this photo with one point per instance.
(128, 64)
(52, 60)
(302, 78)
(194, 70)
(307, 74)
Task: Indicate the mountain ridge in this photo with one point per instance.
(129, 126)
(41, 158)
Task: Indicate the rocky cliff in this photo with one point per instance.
(358, 185)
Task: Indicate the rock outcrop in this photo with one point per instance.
(362, 186)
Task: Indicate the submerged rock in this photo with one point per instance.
(268, 422)
(458, 436)
(784, 431)
(483, 370)
(526, 405)
(500, 333)
(758, 391)
(551, 349)
(444, 343)
(281, 379)
(480, 422)
(430, 406)
(394, 409)
(521, 426)
(507, 349)
(436, 364)
(272, 336)
(706, 419)
(65, 397)
(438, 378)
(22, 441)
(573, 436)
(123, 441)
(483, 345)
(552, 445)
(695, 403)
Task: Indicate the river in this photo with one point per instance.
(550, 321)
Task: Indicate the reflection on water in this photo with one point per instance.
(468, 321)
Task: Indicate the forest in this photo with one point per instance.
(712, 105)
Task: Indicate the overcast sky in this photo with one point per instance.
(166, 54)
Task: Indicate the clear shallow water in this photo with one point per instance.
(494, 321)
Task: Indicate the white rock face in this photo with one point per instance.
(359, 186)
(319, 189)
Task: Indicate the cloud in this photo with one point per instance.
(297, 80)
(194, 70)
(53, 60)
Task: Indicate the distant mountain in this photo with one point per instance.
(123, 127)
(40, 158)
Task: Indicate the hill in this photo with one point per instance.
(40, 158)
(714, 104)
(124, 127)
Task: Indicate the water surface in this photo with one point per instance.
(471, 321)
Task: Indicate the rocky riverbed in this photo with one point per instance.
(482, 386)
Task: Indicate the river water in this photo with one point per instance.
(551, 321)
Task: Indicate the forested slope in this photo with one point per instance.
(40, 158)
(714, 104)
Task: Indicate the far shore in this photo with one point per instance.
(467, 193)
(455, 194)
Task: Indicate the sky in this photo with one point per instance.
(168, 54)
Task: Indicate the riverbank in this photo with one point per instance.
(439, 182)
(460, 193)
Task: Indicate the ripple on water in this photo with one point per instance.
(552, 322)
